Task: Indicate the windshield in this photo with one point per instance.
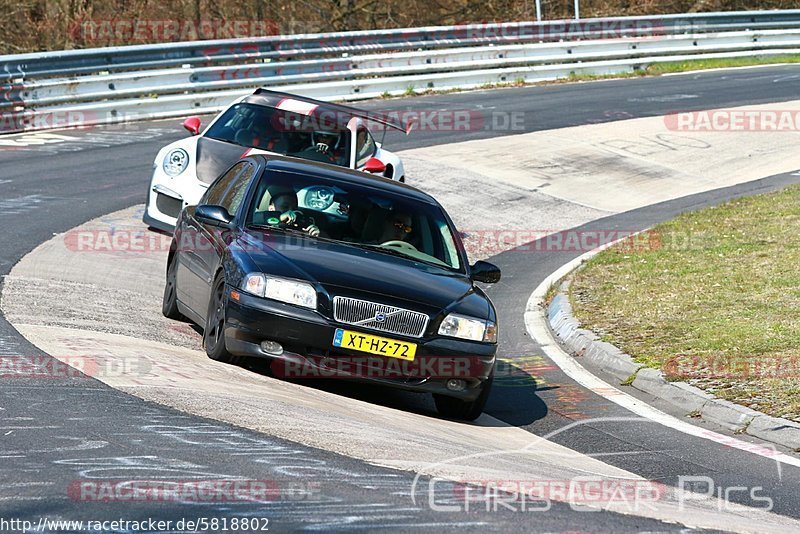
(356, 215)
(283, 132)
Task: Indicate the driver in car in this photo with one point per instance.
(324, 148)
(284, 201)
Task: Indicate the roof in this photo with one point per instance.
(304, 105)
(313, 168)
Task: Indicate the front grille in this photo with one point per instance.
(367, 314)
(168, 205)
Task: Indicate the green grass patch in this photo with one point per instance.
(720, 63)
(712, 297)
(671, 67)
(580, 77)
(655, 69)
(551, 293)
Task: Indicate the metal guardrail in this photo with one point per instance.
(104, 85)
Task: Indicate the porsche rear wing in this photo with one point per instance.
(276, 97)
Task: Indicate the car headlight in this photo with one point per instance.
(176, 162)
(455, 325)
(281, 289)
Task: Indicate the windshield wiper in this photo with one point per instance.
(283, 229)
(401, 254)
(394, 252)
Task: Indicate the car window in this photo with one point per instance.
(365, 147)
(316, 138)
(217, 191)
(249, 125)
(358, 215)
(235, 193)
(450, 249)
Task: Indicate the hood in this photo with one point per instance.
(347, 270)
(215, 157)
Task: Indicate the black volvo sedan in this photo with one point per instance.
(335, 274)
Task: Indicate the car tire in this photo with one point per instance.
(454, 408)
(169, 303)
(214, 331)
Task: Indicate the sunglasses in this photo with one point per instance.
(403, 227)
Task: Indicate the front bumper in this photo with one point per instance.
(307, 336)
(167, 196)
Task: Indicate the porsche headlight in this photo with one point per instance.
(281, 289)
(176, 162)
(461, 326)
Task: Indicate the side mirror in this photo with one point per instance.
(213, 216)
(485, 272)
(374, 165)
(192, 125)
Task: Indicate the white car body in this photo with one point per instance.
(169, 194)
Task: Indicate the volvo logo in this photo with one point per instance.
(380, 317)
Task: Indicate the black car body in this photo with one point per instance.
(347, 303)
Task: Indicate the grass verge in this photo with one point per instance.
(720, 63)
(672, 67)
(656, 69)
(712, 298)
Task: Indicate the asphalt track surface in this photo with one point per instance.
(56, 431)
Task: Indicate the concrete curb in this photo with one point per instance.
(692, 401)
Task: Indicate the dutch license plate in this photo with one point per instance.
(374, 344)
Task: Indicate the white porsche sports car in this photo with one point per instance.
(265, 122)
